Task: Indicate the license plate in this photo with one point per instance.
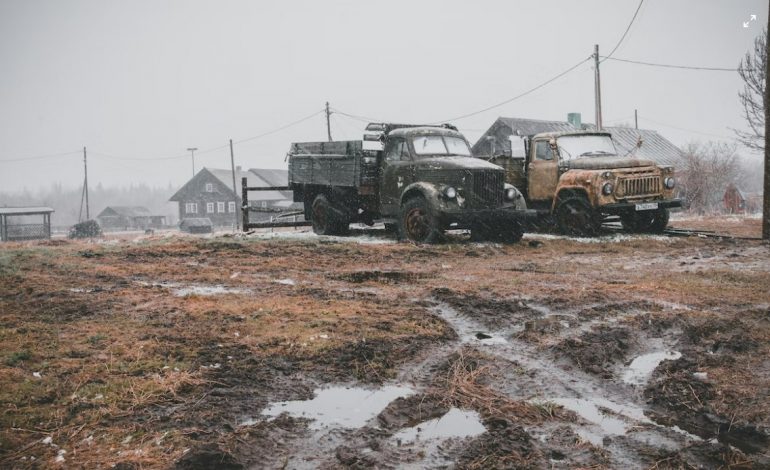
(647, 206)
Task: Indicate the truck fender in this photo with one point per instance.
(426, 190)
(563, 192)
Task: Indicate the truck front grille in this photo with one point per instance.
(488, 188)
(641, 186)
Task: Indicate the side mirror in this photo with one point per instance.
(552, 144)
(518, 149)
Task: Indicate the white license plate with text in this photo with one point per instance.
(647, 206)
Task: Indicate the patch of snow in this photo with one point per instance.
(285, 282)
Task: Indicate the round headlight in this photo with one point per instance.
(607, 189)
(450, 192)
(670, 183)
(510, 194)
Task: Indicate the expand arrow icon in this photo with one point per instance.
(753, 17)
(745, 24)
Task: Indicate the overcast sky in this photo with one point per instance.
(136, 81)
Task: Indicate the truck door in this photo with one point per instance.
(542, 172)
(395, 175)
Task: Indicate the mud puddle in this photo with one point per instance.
(455, 423)
(641, 368)
(339, 407)
(179, 290)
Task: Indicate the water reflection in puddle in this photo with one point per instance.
(641, 368)
(339, 407)
(455, 423)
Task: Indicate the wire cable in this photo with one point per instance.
(626, 31)
(715, 69)
(683, 128)
(40, 157)
(521, 95)
(187, 155)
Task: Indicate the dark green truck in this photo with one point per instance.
(419, 180)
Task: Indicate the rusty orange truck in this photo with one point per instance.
(577, 180)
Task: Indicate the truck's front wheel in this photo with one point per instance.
(326, 219)
(417, 222)
(576, 217)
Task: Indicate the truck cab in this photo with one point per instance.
(579, 179)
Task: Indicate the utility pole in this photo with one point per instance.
(235, 190)
(85, 183)
(766, 103)
(636, 120)
(192, 153)
(597, 89)
(328, 124)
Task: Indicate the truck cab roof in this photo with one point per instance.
(424, 130)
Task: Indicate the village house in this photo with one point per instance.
(209, 194)
(129, 218)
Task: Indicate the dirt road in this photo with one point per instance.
(294, 351)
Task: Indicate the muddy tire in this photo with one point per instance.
(576, 217)
(417, 222)
(326, 219)
(646, 222)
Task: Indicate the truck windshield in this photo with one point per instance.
(574, 146)
(440, 145)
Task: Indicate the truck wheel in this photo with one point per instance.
(646, 222)
(325, 218)
(417, 222)
(576, 217)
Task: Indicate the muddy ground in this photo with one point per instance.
(294, 351)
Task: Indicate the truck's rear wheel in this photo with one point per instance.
(326, 219)
(646, 222)
(417, 222)
(576, 217)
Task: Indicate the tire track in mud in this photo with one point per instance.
(611, 415)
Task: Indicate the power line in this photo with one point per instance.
(488, 108)
(715, 69)
(683, 128)
(359, 118)
(626, 31)
(39, 157)
(186, 155)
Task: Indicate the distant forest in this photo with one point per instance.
(66, 201)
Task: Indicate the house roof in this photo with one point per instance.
(125, 211)
(25, 210)
(654, 147)
(255, 178)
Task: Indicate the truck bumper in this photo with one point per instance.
(468, 219)
(626, 207)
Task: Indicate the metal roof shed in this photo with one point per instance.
(24, 231)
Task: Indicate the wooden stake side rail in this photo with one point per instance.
(245, 209)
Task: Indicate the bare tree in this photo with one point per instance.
(752, 97)
(707, 170)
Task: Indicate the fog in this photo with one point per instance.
(139, 82)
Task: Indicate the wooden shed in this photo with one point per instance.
(25, 223)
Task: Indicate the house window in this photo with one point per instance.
(210, 207)
(191, 208)
(230, 207)
(220, 207)
(209, 188)
(264, 204)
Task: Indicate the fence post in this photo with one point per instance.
(245, 204)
